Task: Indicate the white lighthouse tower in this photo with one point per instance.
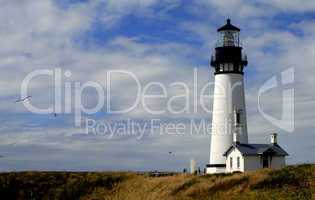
(229, 113)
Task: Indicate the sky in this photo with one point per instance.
(162, 41)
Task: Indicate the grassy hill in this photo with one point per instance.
(293, 182)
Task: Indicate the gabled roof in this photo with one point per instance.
(228, 27)
(257, 149)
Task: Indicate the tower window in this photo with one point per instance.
(231, 162)
(238, 162)
(226, 67)
(238, 117)
(221, 68)
(230, 67)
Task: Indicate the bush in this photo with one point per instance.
(293, 182)
(52, 185)
(289, 176)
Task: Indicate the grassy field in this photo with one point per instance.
(293, 182)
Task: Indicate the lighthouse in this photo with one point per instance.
(229, 111)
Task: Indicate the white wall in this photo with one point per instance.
(250, 163)
(215, 170)
(255, 162)
(234, 154)
(277, 162)
(224, 103)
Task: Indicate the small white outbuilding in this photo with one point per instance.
(247, 157)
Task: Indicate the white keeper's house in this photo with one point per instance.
(246, 157)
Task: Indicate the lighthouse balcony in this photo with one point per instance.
(216, 60)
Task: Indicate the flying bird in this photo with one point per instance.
(23, 99)
(170, 152)
(13, 144)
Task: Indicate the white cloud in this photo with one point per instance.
(291, 5)
(39, 34)
(113, 11)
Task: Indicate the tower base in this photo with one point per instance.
(215, 169)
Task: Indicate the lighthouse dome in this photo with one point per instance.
(228, 27)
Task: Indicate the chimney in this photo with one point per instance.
(236, 137)
(273, 138)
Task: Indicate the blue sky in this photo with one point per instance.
(158, 41)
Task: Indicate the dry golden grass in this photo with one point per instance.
(235, 186)
(288, 183)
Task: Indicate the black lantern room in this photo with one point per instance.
(228, 56)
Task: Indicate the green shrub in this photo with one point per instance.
(53, 185)
(289, 176)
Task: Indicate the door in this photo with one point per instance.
(265, 162)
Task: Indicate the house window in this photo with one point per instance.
(231, 162)
(238, 162)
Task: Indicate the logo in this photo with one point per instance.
(286, 122)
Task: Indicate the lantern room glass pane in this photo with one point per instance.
(221, 67)
(228, 38)
(226, 67)
(230, 67)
